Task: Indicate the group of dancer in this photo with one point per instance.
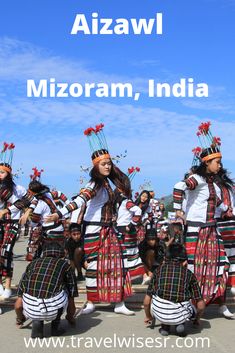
(113, 228)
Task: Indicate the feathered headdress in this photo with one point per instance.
(137, 194)
(36, 174)
(147, 185)
(131, 172)
(6, 156)
(97, 143)
(119, 157)
(196, 156)
(209, 143)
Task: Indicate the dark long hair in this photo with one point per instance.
(38, 188)
(8, 182)
(119, 197)
(201, 170)
(222, 179)
(191, 171)
(117, 177)
(144, 206)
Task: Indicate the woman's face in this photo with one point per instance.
(31, 192)
(105, 166)
(152, 242)
(3, 174)
(144, 197)
(213, 166)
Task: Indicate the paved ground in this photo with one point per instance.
(104, 331)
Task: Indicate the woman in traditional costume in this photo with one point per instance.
(226, 224)
(128, 217)
(107, 280)
(13, 199)
(142, 202)
(44, 206)
(204, 245)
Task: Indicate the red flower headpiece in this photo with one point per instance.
(89, 131)
(95, 130)
(98, 128)
(6, 155)
(11, 146)
(196, 156)
(132, 172)
(36, 174)
(204, 128)
(216, 141)
(136, 195)
(209, 143)
(197, 151)
(96, 138)
(5, 147)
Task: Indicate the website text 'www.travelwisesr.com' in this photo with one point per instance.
(116, 341)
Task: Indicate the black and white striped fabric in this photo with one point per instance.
(44, 309)
(170, 313)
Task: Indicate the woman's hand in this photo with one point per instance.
(3, 212)
(228, 213)
(52, 218)
(23, 219)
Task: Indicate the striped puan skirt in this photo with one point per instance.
(44, 309)
(140, 234)
(9, 231)
(132, 260)
(227, 231)
(34, 243)
(169, 313)
(107, 279)
(207, 260)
